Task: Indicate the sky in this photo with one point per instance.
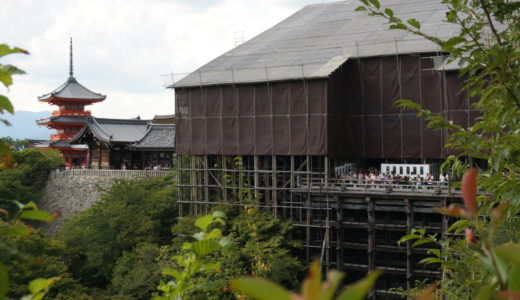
(121, 48)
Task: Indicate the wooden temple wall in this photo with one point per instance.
(99, 156)
(347, 229)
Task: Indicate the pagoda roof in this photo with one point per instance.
(114, 130)
(62, 119)
(72, 90)
(158, 136)
(54, 144)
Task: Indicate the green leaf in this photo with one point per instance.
(409, 237)
(486, 292)
(6, 73)
(38, 215)
(509, 253)
(16, 231)
(41, 284)
(389, 12)
(398, 26)
(414, 23)
(375, 3)
(361, 8)
(420, 242)
(436, 252)
(5, 104)
(514, 278)
(214, 234)
(201, 248)
(329, 288)
(174, 273)
(260, 289)
(360, 289)
(227, 244)
(219, 214)
(4, 281)
(204, 222)
(5, 49)
(211, 286)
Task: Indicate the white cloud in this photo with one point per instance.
(121, 47)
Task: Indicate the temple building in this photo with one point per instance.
(71, 99)
(127, 143)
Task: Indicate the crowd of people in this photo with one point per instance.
(374, 175)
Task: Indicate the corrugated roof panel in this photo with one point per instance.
(322, 37)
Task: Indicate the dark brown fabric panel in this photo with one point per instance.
(431, 142)
(473, 115)
(317, 138)
(457, 99)
(246, 105)
(411, 136)
(316, 90)
(213, 101)
(228, 101)
(356, 134)
(337, 122)
(229, 134)
(337, 137)
(262, 100)
(297, 102)
(246, 127)
(354, 89)
(390, 83)
(197, 103)
(430, 86)
(181, 102)
(372, 85)
(281, 135)
(263, 136)
(182, 137)
(198, 135)
(373, 140)
(410, 78)
(214, 136)
(392, 136)
(280, 94)
(298, 135)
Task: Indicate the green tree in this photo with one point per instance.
(131, 213)
(16, 144)
(486, 49)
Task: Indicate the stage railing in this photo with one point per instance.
(105, 173)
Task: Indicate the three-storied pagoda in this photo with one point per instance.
(71, 99)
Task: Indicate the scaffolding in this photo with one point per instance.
(351, 225)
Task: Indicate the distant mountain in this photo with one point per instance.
(24, 125)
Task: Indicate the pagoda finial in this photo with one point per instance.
(71, 69)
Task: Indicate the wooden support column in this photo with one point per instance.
(274, 187)
(99, 156)
(410, 264)
(206, 183)
(326, 185)
(256, 177)
(308, 171)
(339, 238)
(308, 228)
(371, 239)
(224, 178)
(193, 183)
(179, 185)
(327, 244)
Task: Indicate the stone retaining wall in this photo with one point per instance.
(70, 195)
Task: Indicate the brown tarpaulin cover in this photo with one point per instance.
(350, 114)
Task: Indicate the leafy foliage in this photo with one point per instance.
(16, 144)
(126, 216)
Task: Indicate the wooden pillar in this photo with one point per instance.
(326, 172)
(410, 264)
(274, 187)
(308, 228)
(256, 177)
(99, 156)
(224, 178)
(206, 182)
(371, 240)
(179, 185)
(193, 183)
(340, 253)
(308, 171)
(327, 244)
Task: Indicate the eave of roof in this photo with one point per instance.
(72, 90)
(72, 120)
(114, 130)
